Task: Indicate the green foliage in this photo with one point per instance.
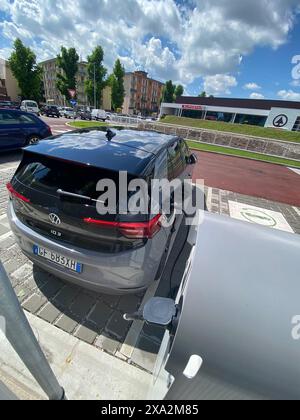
(202, 95)
(179, 91)
(169, 92)
(96, 76)
(23, 65)
(67, 61)
(116, 81)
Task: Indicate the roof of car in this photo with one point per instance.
(129, 150)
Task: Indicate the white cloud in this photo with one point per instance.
(183, 41)
(256, 95)
(4, 6)
(252, 86)
(295, 83)
(289, 95)
(219, 84)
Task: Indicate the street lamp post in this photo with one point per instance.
(95, 93)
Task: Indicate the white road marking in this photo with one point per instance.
(5, 236)
(9, 168)
(297, 210)
(209, 198)
(297, 171)
(258, 215)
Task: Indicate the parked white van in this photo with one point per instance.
(30, 106)
(99, 114)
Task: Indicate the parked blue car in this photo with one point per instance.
(19, 129)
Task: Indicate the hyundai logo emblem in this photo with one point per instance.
(54, 219)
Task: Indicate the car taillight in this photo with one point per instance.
(49, 131)
(14, 193)
(132, 230)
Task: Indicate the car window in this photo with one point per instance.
(161, 166)
(8, 118)
(27, 119)
(184, 152)
(31, 104)
(175, 160)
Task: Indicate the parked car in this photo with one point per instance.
(19, 129)
(52, 208)
(85, 115)
(51, 111)
(99, 115)
(9, 105)
(70, 113)
(30, 106)
(62, 111)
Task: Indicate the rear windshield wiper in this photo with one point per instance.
(73, 195)
(78, 196)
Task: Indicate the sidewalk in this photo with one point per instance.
(83, 371)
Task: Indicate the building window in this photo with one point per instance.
(250, 119)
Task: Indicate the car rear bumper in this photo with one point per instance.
(120, 273)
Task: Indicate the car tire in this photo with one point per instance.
(33, 140)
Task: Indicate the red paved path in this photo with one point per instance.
(244, 176)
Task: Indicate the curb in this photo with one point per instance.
(243, 157)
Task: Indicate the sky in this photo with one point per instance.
(229, 48)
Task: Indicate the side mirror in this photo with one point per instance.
(193, 159)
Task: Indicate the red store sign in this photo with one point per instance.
(192, 107)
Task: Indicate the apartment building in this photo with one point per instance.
(9, 88)
(142, 94)
(53, 95)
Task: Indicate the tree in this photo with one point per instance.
(179, 91)
(23, 65)
(96, 76)
(169, 92)
(116, 81)
(67, 61)
(202, 95)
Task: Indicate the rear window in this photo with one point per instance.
(31, 104)
(48, 175)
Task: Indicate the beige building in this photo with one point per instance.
(52, 94)
(9, 89)
(142, 94)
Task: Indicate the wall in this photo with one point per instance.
(241, 142)
(11, 84)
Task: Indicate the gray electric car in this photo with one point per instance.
(53, 211)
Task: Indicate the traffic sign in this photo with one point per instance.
(72, 92)
(280, 121)
(73, 102)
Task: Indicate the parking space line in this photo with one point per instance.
(9, 168)
(5, 236)
(209, 198)
(3, 217)
(296, 171)
(297, 210)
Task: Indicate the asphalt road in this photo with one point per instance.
(257, 179)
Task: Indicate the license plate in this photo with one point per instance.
(56, 258)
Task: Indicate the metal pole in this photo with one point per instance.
(6, 394)
(95, 93)
(23, 340)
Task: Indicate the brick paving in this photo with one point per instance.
(97, 318)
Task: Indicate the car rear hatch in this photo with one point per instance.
(57, 199)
